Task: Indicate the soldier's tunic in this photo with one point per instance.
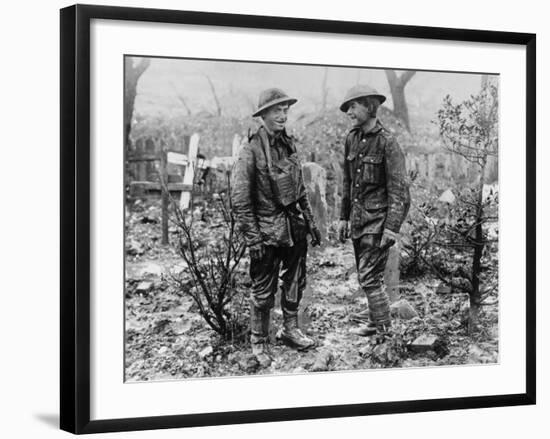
(263, 220)
(375, 197)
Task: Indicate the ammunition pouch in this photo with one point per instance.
(284, 176)
(285, 180)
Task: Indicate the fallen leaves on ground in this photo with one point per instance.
(166, 338)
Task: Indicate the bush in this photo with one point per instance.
(212, 249)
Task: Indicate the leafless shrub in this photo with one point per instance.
(212, 249)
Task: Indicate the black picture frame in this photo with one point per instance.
(75, 217)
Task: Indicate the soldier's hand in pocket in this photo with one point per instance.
(315, 236)
(389, 238)
(256, 251)
(343, 230)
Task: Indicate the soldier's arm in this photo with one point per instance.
(307, 211)
(399, 198)
(303, 200)
(242, 184)
(346, 196)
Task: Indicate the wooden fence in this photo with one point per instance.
(150, 162)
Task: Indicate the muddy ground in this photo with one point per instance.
(166, 338)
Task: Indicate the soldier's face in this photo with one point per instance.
(275, 117)
(358, 113)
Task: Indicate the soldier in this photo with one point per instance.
(272, 209)
(375, 200)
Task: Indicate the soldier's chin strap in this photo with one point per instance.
(267, 130)
(265, 146)
(264, 140)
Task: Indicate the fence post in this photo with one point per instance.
(189, 176)
(236, 146)
(164, 194)
(391, 272)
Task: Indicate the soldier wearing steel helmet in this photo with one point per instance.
(375, 201)
(272, 209)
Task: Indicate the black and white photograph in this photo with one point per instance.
(294, 218)
(275, 219)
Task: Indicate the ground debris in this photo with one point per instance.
(403, 310)
(249, 363)
(167, 338)
(322, 361)
(424, 343)
(134, 248)
(144, 287)
(206, 352)
(434, 347)
(443, 288)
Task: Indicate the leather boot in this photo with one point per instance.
(291, 334)
(361, 316)
(370, 328)
(259, 338)
(376, 319)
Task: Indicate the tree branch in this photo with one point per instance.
(214, 94)
(406, 77)
(392, 77)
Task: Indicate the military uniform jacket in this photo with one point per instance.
(257, 213)
(376, 190)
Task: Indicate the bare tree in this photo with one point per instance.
(131, 77)
(249, 102)
(184, 103)
(181, 99)
(470, 130)
(397, 88)
(358, 76)
(324, 90)
(215, 95)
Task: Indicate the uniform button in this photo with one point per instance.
(360, 155)
(363, 140)
(356, 200)
(357, 185)
(359, 170)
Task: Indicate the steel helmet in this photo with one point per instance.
(270, 97)
(360, 91)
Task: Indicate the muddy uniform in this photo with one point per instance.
(375, 197)
(262, 219)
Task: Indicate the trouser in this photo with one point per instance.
(371, 260)
(290, 264)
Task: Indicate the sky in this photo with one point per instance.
(238, 84)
